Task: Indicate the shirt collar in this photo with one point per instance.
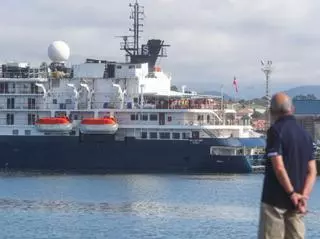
(286, 117)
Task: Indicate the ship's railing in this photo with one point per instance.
(194, 106)
(21, 70)
(39, 79)
(182, 102)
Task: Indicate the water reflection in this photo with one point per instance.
(135, 206)
(141, 208)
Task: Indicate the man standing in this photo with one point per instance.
(290, 174)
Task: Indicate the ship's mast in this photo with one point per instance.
(132, 48)
(146, 53)
(137, 16)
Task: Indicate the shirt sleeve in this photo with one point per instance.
(274, 147)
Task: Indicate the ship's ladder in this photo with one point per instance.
(209, 133)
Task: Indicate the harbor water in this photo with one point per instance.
(135, 206)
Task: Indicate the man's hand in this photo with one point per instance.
(300, 202)
(295, 198)
(302, 206)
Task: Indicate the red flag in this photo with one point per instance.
(235, 84)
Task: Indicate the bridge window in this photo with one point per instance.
(31, 119)
(195, 134)
(176, 135)
(185, 135)
(134, 117)
(200, 117)
(144, 117)
(62, 106)
(164, 135)
(144, 135)
(153, 135)
(153, 117)
(10, 119)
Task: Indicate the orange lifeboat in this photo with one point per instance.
(107, 125)
(54, 124)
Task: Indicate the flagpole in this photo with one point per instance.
(222, 103)
(235, 86)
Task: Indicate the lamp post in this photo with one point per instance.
(222, 103)
(267, 69)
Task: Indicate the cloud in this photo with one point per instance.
(211, 40)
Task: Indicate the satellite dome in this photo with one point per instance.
(58, 51)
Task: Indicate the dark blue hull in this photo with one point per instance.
(104, 154)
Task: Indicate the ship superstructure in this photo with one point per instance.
(116, 116)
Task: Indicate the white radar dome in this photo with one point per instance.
(58, 51)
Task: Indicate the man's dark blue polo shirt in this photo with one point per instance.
(287, 138)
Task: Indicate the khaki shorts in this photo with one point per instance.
(276, 223)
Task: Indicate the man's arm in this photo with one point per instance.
(281, 173)
(274, 153)
(284, 180)
(311, 178)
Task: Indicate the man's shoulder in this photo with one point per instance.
(285, 129)
(275, 129)
(288, 125)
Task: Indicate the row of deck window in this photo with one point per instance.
(5, 89)
(10, 119)
(31, 104)
(201, 118)
(144, 117)
(165, 135)
(129, 66)
(16, 132)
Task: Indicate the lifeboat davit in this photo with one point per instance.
(107, 125)
(54, 124)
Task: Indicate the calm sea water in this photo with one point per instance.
(135, 206)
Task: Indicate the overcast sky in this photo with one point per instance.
(211, 40)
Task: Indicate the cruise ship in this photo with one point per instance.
(117, 117)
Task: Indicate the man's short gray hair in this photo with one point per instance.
(281, 108)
